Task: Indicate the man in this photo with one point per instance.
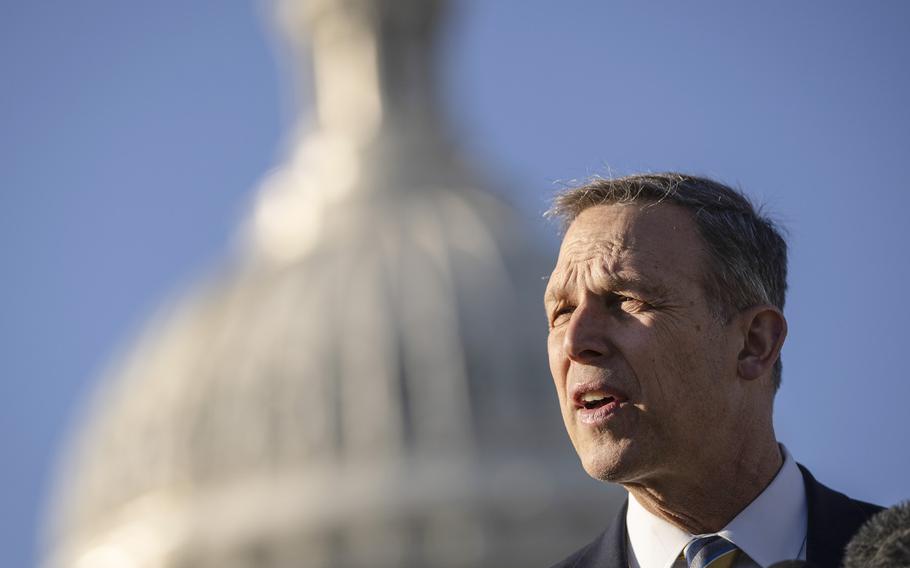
(666, 323)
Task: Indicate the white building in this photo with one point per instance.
(366, 384)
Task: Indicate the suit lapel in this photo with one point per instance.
(610, 550)
(616, 555)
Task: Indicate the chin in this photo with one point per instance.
(608, 466)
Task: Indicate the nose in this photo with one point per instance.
(585, 340)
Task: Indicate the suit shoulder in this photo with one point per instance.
(868, 509)
(833, 520)
(821, 494)
(582, 557)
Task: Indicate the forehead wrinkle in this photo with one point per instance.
(598, 264)
(624, 254)
(585, 248)
(600, 256)
(590, 271)
(608, 253)
(562, 278)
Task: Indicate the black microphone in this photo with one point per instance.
(791, 564)
(884, 541)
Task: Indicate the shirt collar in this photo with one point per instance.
(655, 543)
(772, 528)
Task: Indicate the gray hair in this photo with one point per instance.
(747, 255)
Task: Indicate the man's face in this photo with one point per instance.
(645, 373)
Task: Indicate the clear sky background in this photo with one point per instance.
(132, 135)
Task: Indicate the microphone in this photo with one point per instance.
(884, 541)
(791, 564)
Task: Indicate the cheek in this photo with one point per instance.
(640, 343)
(558, 363)
(657, 358)
(682, 367)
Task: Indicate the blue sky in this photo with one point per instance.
(133, 135)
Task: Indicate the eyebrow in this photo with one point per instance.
(614, 283)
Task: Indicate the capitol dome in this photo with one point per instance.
(365, 384)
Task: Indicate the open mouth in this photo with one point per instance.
(595, 399)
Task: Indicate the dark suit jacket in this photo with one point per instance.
(833, 520)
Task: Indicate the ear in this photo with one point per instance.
(764, 330)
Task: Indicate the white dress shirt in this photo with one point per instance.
(772, 528)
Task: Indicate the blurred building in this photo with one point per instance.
(366, 384)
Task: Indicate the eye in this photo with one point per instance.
(628, 303)
(561, 315)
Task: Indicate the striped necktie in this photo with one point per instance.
(713, 551)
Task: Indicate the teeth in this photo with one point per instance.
(594, 396)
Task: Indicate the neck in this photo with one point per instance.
(707, 501)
